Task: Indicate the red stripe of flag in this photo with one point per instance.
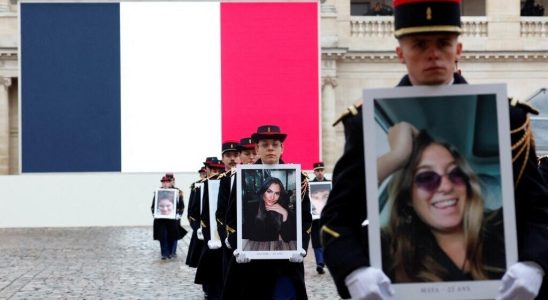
(270, 74)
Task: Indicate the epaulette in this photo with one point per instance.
(523, 105)
(525, 134)
(304, 185)
(352, 110)
(229, 229)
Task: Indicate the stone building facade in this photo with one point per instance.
(357, 51)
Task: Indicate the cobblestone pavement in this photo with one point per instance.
(106, 263)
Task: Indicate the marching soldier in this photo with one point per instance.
(319, 169)
(267, 279)
(427, 33)
(208, 273)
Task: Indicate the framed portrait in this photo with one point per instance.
(440, 196)
(318, 193)
(165, 203)
(269, 210)
(213, 191)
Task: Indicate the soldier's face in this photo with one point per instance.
(231, 159)
(269, 151)
(430, 58)
(248, 156)
(319, 174)
(166, 184)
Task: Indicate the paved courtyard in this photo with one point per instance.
(106, 263)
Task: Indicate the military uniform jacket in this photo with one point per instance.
(345, 241)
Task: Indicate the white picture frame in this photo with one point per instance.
(165, 203)
(318, 191)
(252, 216)
(433, 108)
(213, 191)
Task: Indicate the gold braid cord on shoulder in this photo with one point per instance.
(522, 146)
(304, 187)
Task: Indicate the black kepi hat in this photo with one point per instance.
(230, 146)
(424, 16)
(268, 132)
(318, 165)
(246, 144)
(214, 163)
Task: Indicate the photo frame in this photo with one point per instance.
(473, 120)
(200, 187)
(318, 191)
(213, 191)
(269, 210)
(165, 204)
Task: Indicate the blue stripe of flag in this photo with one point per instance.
(70, 87)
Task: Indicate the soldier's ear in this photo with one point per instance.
(399, 53)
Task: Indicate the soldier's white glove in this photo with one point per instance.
(298, 257)
(241, 258)
(368, 283)
(177, 217)
(199, 234)
(211, 244)
(521, 281)
(227, 244)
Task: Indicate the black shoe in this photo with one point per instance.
(169, 256)
(320, 270)
(164, 258)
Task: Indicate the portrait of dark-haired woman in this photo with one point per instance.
(269, 223)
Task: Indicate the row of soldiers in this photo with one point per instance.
(224, 272)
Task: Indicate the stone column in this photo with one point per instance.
(328, 117)
(4, 125)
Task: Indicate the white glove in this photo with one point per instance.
(298, 257)
(199, 234)
(241, 258)
(368, 283)
(177, 217)
(227, 244)
(521, 281)
(211, 244)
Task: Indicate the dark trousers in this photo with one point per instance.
(166, 244)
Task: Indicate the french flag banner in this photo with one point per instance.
(146, 86)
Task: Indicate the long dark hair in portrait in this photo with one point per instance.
(272, 217)
(409, 249)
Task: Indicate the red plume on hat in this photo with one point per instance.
(425, 16)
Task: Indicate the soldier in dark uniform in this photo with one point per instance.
(209, 270)
(165, 230)
(246, 149)
(266, 279)
(194, 203)
(427, 33)
(319, 169)
(181, 232)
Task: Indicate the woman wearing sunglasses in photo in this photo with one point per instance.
(438, 229)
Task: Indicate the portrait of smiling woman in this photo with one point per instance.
(438, 228)
(270, 221)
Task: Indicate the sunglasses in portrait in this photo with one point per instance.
(430, 181)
